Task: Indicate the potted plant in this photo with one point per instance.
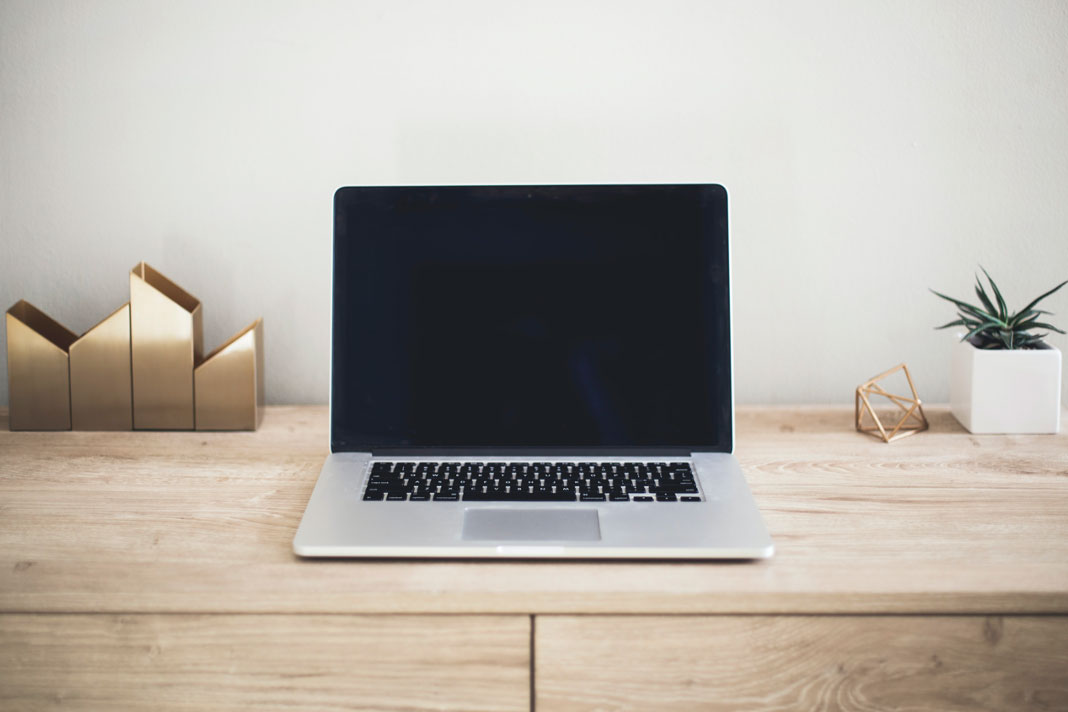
(1005, 378)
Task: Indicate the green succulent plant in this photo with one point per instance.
(993, 327)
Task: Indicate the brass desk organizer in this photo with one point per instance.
(140, 368)
(911, 418)
(166, 343)
(229, 383)
(38, 369)
(100, 389)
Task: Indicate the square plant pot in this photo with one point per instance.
(1001, 391)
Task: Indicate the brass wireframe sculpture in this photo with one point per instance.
(912, 418)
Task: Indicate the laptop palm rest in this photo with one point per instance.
(531, 525)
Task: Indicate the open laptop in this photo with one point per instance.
(532, 371)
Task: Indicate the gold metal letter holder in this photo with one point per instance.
(100, 397)
(229, 383)
(38, 369)
(142, 367)
(166, 343)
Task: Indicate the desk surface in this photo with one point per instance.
(942, 522)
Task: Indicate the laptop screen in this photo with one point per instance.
(590, 319)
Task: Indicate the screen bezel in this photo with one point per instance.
(722, 441)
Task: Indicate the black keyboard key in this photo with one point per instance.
(498, 496)
(446, 497)
(618, 498)
(643, 498)
(370, 496)
(554, 497)
(421, 497)
(675, 488)
(591, 498)
(665, 497)
(396, 497)
(691, 499)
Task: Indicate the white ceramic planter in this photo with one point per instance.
(1006, 391)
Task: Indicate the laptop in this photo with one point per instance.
(538, 371)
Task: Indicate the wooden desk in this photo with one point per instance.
(155, 570)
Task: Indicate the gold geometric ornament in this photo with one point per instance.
(908, 412)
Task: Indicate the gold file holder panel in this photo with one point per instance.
(166, 342)
(100, 391)
(38, 369)
(229, 384)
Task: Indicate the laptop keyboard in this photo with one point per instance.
(531, 482)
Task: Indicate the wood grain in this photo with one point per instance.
(785, 663)
(172, 662)
(943, 522)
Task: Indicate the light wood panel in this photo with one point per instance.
(172, 662)
(943, 522)
(786, 663)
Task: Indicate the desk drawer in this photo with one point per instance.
(159, 662)
(801, 663)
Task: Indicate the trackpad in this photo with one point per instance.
(532, 525)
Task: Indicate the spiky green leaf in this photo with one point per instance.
(981, 293)
(971, 309)
(958, 302)
(1021, 325)
(1003, 312)
(982, 327)
(1030, 343)
(1027, 314)
(1042, 325)
(1043, 296)
(958, 322)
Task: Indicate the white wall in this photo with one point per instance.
(872, 149)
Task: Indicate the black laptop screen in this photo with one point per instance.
(531, 318)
